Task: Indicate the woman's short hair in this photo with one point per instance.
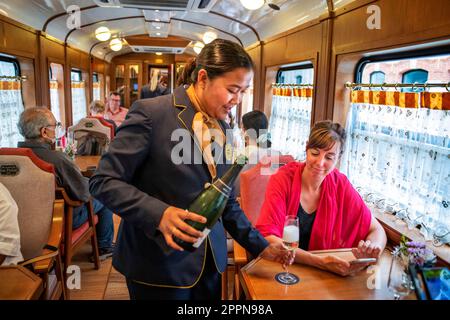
(32, 120)
(97, 106)
(217, 57)
(324, 134)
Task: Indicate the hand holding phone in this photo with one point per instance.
(362, 261)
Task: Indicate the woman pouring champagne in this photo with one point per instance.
(139, 179)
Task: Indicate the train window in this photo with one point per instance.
(79, 105)
(96, 86)
(377, 77)
(11, 103)
(56, 85)
(398, 149)
(414, 76)
(290, 117)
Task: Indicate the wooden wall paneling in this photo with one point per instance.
(50, 51)
(299, 46)
(67, 87)
(26, 47)
(27, 53)
(256, 55)
(402, 22)
(320, 110)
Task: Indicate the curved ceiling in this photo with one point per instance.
(227, 18)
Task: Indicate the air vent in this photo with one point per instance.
(170, 5)
(153, 49)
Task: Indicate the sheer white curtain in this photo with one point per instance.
(398, 149)
(11, 105)
(54, 101)
(79, 106)
(290, 120)
(96, 91)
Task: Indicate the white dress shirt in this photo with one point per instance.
(9, 228)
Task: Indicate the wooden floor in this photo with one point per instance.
(106, 283)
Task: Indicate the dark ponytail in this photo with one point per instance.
(217, 57)
(185, 76)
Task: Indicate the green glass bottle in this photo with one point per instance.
(211, 203)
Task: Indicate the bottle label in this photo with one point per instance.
(200, 240)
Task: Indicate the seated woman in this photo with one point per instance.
(331, 213)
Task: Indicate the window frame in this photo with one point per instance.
(394, 230)
(77, 71)
(377, 72)
(404, 55)
(14, 61)
(302, 66)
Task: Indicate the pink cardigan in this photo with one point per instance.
(342, 218)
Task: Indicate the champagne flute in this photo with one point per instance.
(291, 235)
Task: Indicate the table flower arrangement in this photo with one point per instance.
(413, 252)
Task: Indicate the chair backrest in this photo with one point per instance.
(88, 129)
(106, 124)
(253, 184)
(32, 184)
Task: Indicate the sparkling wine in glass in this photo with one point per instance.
(291, 235)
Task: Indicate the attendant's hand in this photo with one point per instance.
(366, 249)
(172, 224)
(340, 266)
(277, 252)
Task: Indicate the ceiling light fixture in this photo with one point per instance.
(198, 46)
(158, 53)
(115, 44)
(252, 4)
(102, 33)
(209, 37)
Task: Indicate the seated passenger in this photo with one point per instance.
(331, 213)
(38, 126)
(94, 143)
(9, 229)
(114, 111)
(257, 141)
(257, 137)
(97, 110)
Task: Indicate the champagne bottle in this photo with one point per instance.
(211, 203)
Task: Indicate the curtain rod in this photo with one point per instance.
(293, 85)
(19, 78)
(398, 85)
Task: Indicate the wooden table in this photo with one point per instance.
(258, 281)
(87, 164)
(18, 283)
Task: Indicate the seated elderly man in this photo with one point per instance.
(38, 126)
(9, 229)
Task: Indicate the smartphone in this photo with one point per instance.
(363, 260)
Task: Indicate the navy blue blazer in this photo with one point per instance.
(137, 179)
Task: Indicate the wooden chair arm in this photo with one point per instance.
(54, 238)
(62, 194)
(239, 254)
